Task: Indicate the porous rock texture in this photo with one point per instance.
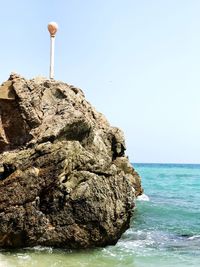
(64, 178)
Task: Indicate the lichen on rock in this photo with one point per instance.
(64, 178)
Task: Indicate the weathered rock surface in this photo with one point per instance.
(64, 178)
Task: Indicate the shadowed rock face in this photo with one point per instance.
(64, 178)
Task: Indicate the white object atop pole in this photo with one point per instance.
(52, 28)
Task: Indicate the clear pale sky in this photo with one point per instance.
(138, 62)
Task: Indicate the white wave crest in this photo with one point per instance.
(143, 197)
(194, 237)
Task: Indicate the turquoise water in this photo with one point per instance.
(164, 232)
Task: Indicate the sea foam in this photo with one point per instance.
(143, 197)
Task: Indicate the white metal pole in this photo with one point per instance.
(52, 28)
(52, 49)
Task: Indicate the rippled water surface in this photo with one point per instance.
(164, 232)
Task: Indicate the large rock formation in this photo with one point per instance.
(64, 178)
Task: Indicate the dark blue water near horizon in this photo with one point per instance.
(169, 165)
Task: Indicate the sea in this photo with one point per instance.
(164, 230)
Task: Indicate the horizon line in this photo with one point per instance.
(169, 163)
